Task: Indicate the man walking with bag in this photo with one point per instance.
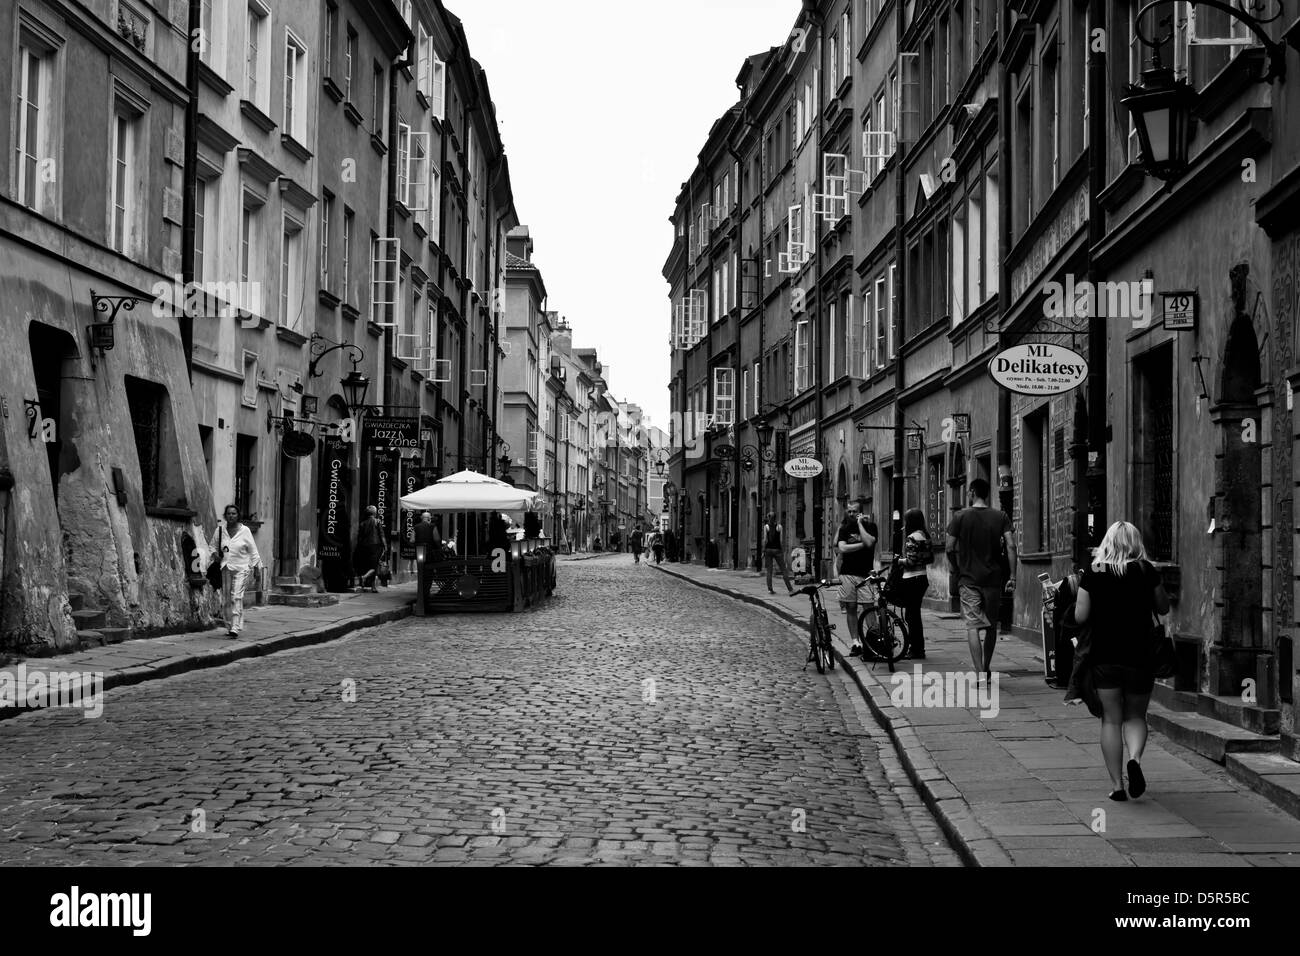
(975, 539)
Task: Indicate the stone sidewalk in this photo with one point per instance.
(267, 629)
(1028, 787)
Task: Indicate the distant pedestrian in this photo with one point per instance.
(636, 540)
(429, 537)
(918, 554)
(975, 539)
(234, 547)
(370, 550)
(774, 552)
(659, 547)
(498, 538)
(1118, 597)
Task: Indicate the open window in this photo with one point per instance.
(385, 255)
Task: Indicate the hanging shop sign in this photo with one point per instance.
(1179, 309)
(383, 490)
(296, 444)
(1038, 369)
(335, 496)
(803, 467)
(391, 433)
(724, 451)
(409, 470)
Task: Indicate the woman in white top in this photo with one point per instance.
(235, 548)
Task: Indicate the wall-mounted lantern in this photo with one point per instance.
(101, 333)
(1161, 105)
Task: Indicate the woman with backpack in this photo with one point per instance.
(918, 554)
(1117, 599)
(774, 552)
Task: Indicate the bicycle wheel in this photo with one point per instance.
(888, 640)
(815, 645)
(828, 649)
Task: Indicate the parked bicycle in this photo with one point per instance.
(820, 651)
(885, 638)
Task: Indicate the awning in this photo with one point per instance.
(469, 491)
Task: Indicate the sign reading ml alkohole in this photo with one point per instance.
(803, 467)
(1038, 369)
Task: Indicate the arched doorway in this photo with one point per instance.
(1241, 435)
(54, 356)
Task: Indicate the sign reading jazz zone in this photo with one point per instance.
(1038, 369)
(392, 433)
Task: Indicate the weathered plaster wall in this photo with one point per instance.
(122, 558)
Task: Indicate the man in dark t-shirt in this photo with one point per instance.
(856, 544)
(975, 539)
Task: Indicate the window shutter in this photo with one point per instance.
(417, 171)
(438, 87)
(851, 339)
(422, 69)
(403, 161)
(383, 281)
(893, 269)
(724, 396)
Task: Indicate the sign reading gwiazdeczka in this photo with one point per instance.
(803, 467)
(1038, 369)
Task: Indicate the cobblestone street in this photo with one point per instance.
(633, 719)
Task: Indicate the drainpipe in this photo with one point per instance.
(390, 230)
(390, 224)
(466, 272)
(1004, 480)
(189, 185)
(498, 297)
(567, 446)
(735, 243)
(1094, 474)
(819, 505)
(898, 304)
(439, 397)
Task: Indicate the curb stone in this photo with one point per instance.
(972, 842)
(171, 667)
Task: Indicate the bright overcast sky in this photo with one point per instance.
(604, 106)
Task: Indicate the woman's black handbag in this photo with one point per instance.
(893, 589)
(1162, 650)
(214, 569)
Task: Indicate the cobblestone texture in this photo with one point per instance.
(524, 739)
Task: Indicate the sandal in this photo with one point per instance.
(1137, 783)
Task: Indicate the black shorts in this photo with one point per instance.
(1131, 680)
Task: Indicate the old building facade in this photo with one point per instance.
(351, 199)
(105, 492)
(927, 179)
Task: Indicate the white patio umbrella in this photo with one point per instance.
(468, 491)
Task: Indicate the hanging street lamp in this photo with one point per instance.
(1162, 105)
